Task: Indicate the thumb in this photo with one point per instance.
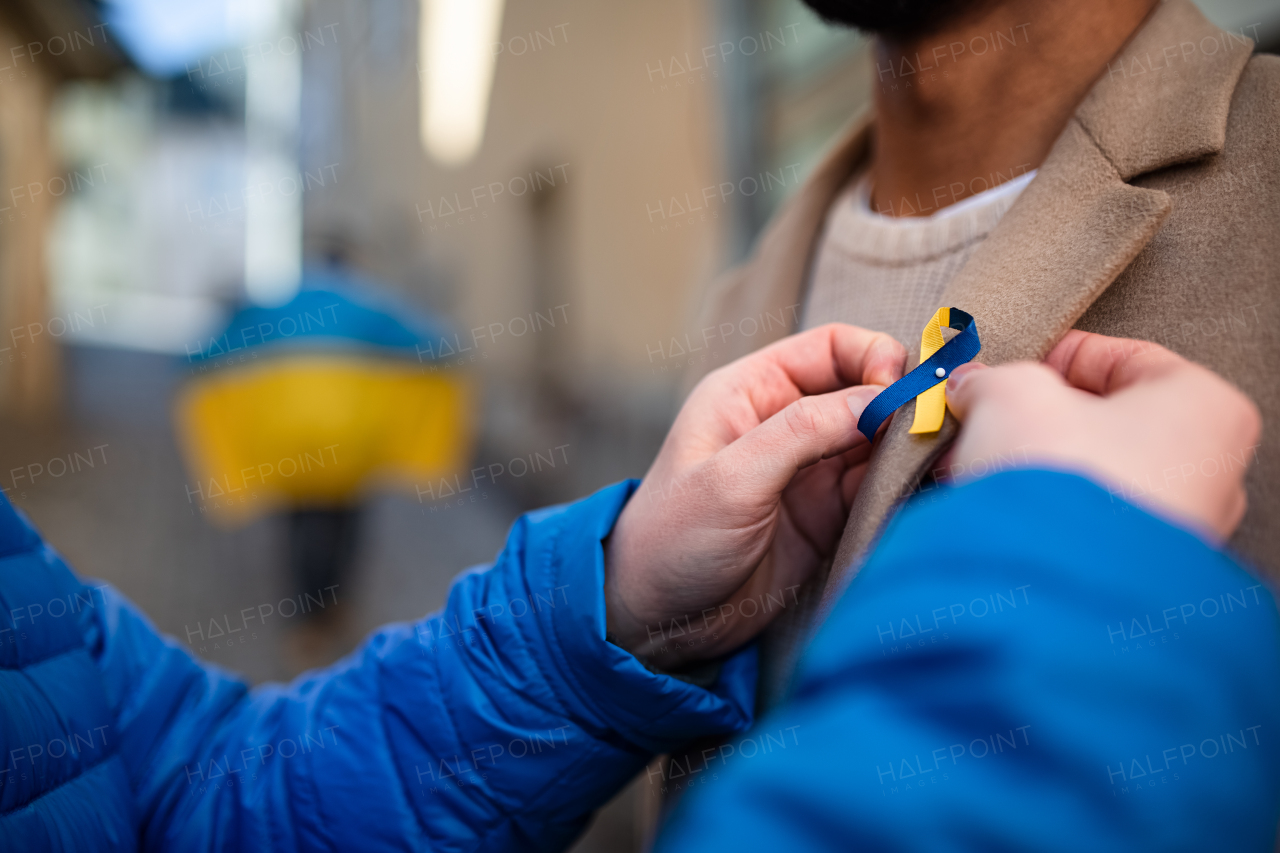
(1011, 387)
(960, 392)
(808, 430)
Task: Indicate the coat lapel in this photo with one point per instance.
(1075, 228)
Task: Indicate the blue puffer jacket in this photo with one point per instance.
(500, 723)
(1024, 663)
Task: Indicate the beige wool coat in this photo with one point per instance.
(1155, 216)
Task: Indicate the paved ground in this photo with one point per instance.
(128, 519)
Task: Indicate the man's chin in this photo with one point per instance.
(894, 19)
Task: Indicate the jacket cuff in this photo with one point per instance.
(609, 685)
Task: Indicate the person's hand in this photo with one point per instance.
(748, 495)
(1154, 428)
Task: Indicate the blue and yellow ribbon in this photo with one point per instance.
(926, 382)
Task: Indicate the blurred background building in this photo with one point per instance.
(555, 181)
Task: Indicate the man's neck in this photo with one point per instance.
(983, 100)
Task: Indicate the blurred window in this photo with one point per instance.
(797, 81)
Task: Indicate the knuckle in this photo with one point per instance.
(1230, 403)
(707, 385)
(1249, 418)
(805, 418)
(885, 346)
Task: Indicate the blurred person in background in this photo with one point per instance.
(1111, 166)
(307, 407)
(503, 721)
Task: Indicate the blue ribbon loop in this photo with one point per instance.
(959, 350)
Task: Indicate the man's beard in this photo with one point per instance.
(895, 19)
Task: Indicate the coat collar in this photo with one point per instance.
(1162, 101)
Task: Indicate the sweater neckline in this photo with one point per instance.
(892, 240)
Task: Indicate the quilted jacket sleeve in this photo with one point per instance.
(1024, 663)
(499, 723)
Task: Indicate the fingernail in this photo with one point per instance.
(958, 375)
(860, 397)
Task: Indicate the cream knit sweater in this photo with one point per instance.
(888, 273)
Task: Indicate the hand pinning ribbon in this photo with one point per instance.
(926, 382)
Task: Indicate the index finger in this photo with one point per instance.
(821, 360)
(1103, 364)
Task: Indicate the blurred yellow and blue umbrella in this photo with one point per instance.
(314, 403)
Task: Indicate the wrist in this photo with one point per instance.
(623, 628)
(644, 639)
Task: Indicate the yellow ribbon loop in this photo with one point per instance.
(931, 405)
(924, 383)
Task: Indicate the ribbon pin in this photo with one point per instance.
(926, 383)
